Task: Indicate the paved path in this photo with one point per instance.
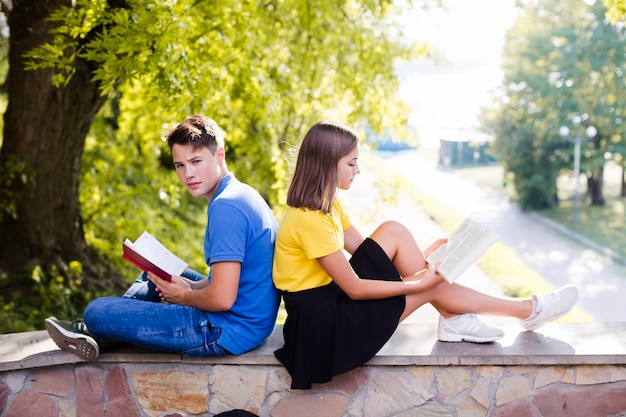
(553, 254)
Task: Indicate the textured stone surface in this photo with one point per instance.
(55, 381)
(480, 392)
(67, 408)
(310, 405)
(546, 376)
(168, 391)
(104, 389)
(119, 399)
(520, 408)
(349, 383)
(594, 374)
(431, 410)
(490, 373)
(489, 381)
(232, 391)
(5, 392)
(453, 380)
(89, 392)
(468, 407)
(581, 401)
(511, 388)
(390, 393)
(28, 403)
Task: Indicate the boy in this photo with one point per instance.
(231, 311)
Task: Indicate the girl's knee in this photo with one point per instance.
(392, 233)
(392, 226)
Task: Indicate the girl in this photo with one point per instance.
(340, 312)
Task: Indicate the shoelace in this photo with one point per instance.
(78, 326)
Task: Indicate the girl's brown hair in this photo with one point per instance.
(314, 183)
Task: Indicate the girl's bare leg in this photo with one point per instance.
(453, 299)
(400, 246)
(449, 299)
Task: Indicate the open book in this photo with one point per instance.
(150, 255)
(468, 242)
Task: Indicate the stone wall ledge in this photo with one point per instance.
(561, 370)
(412, 344)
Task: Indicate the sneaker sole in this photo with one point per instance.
(71, 342)
(454, 338)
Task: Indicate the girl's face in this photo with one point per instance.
(198, 169)
(347, 168)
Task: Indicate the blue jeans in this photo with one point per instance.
(141, 319)
(144, 289)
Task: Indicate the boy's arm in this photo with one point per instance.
(196, 285)
(219, 295)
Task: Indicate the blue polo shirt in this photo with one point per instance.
(242, 228)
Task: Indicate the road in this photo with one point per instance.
(554, 255)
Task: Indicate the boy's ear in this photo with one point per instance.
(220, 154)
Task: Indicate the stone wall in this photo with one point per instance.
(450, 380)
(131, 390)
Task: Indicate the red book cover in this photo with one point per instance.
(144, 264)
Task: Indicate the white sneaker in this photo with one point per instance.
(467, 327)
(550, 306)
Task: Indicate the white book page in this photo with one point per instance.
(464, 247)
(150, 248)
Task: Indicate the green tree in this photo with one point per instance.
(94, 84)
(563, 65)
(616, 10)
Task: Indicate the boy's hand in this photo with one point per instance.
(172, 292)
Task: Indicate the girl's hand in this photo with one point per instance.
(434, 246)
(432, 272)
(172, 292)
(427, 278)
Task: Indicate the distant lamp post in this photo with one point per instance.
(590, 133)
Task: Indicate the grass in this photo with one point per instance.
(604, 225)
(501, 262)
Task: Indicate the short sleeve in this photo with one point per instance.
(318, 235)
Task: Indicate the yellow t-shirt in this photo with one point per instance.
(303, 236)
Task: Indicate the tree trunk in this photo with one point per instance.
(595, 181)
(623, 189)
(45, 127)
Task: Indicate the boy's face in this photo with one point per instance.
(198, 169)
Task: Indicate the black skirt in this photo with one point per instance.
(326, 333)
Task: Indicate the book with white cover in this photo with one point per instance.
(150, 255)
(468, 243)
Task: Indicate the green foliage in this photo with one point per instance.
(132, 187)
(263, 78)
(563, 66)
(51, 294)
(616, 10)
(265, 71)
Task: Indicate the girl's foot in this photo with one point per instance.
(467, 328)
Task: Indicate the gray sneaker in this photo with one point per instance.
(550, 306)
(73, 337)
(468, 328)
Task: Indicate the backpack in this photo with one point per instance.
(236, 413)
